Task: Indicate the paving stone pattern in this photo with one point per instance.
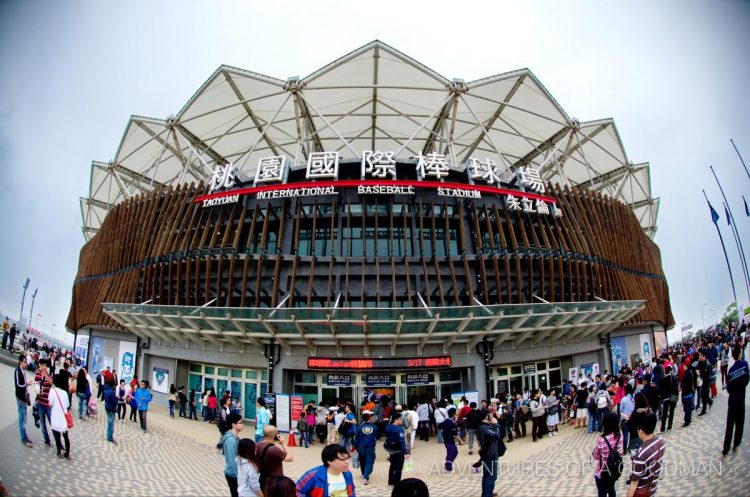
(176, 458)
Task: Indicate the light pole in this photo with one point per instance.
(716, 319)
(31, 312)
(702, 318)
(23, 299)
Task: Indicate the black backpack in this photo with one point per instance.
(612, 468)
(474, 418)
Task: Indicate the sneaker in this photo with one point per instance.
(471, 452)
(365, 482)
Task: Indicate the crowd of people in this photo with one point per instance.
(624, 410)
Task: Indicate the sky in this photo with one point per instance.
(672, 74)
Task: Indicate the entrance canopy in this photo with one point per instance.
(516, 325)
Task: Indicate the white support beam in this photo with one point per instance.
(273, 332)
(303, 334)
(521, 320)
(526, 334)
(217, 328)
(397, 333)
(245, 332)
(332, 325)
(205, 336)
(178, 326)
(430, 328)
(461, 327)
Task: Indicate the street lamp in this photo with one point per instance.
(716, 319)
(702, 318)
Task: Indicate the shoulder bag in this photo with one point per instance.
(68, 415)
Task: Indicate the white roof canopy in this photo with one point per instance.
(374, 98)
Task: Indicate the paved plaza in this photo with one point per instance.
(177, 457)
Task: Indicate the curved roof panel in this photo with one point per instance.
(374, 98)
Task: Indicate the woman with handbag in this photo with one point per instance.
(553, 413)
(60, 419)
(537, 416)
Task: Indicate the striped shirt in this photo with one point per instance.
(647, 464)
(600, 453)
(45, 383)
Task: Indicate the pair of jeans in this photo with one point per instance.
(44, 417)
(489, 477)
(171, 408)
(396, 467)
(192, 413)
(121, 411)
(625, 432)
(58, 443)
(604, 489)
(451, 452)
(687, 405)
(366, 461)
(22, 422)
(667, 414)
(183, 407)
(537, 423)
(592, 422)
(142, 417)
(600, 412)
(472, 435)
(735, 423)
(133, 410)
(110, 425)
(424, 430)
(82, 407)
(308, 436)
(232, 482)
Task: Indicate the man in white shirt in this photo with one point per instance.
(338, 418)
(441, 414)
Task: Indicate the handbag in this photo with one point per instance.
(68, 415)
(409, 466)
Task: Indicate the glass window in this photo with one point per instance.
(515, 370)
(308, 392)
(209, 370)
(251, 375)
(555, 378)
(196, 368)
(305, 378)
(541, 366)
(450, 376)
(554, 363)
(236, 373)
(264, 375)
(223, 371)
(502, 371)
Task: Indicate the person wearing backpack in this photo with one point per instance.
(473, 419)
(607, 455)
(378, 418)
(603, 401)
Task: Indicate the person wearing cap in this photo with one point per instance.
(365, 440)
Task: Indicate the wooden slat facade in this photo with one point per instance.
(165, 248)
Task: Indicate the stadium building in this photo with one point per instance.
(371, 227)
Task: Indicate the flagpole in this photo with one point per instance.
(737, 242)
(723, 247)
(738, 155)
(739, 239)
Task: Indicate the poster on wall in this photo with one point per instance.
(573, 375)
(97, 355)
(126, 361)
(298, 403)
(588, 370)
(160, 380)
(108, 363)
(645, 342)
(660, 342)
(619, 349)
(282, 412)
(595, 368)
(81, 350)
(456, 398)
(472, 396)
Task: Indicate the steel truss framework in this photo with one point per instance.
(374, 98)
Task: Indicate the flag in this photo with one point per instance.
(714, 215)
(729, 218)
(747, 211)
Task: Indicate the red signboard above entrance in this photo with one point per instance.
(368, 363)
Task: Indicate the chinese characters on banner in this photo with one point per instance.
(379, 165)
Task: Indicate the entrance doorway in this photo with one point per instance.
(419, 391)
